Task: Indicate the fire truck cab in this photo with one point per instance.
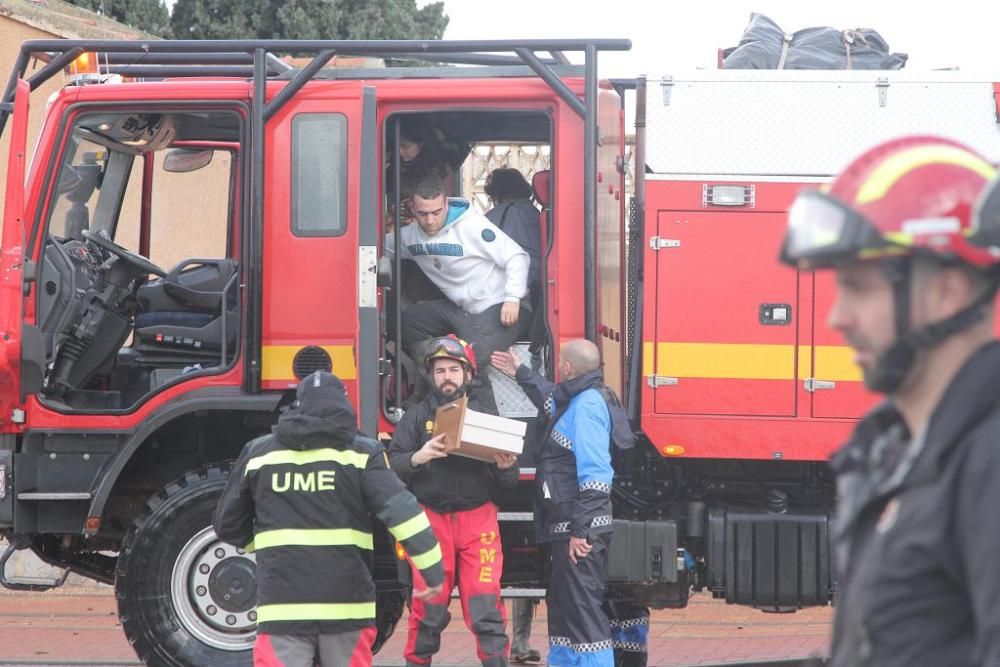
(186, 245)
(183, 247)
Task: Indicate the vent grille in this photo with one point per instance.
(309, 360)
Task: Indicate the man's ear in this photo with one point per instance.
(952, 290)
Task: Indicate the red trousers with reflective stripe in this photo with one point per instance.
(345, 649)
(470, 550)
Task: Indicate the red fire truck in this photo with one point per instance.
(203, 226)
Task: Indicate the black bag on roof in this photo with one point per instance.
(765, 45)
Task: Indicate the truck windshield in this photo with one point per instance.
(89, 189)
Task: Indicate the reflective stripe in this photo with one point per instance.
(277, 361)
(313, 537)
(410, 527)
(887, 174)
(742, 361)
(430, 557)
(301, 458)
(315, 612)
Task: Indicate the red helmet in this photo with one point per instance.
(451, 347)
(913, 195)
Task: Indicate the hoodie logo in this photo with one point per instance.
(489, 235)
(443, 249)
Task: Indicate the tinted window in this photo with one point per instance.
(319, 174)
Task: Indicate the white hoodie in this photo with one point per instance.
(471, 260)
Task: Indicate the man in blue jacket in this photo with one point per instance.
(573, 500)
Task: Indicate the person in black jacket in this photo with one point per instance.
(514, 213)
(455, 493)
(916, 543)
(301, 498)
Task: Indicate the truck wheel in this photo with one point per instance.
(185, 598)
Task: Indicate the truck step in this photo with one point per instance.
(34, 584)
(46, 495)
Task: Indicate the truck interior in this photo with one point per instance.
(466, 135)
(123, 306)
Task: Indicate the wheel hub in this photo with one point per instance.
(232, 583)
(214, 591)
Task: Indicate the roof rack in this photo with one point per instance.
(257, 60)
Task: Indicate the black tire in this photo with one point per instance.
(166, 627)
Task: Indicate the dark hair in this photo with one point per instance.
(415, 129)
(431, 185)
(507, 184)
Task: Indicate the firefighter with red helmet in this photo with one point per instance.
(912, 230)
(456, 495)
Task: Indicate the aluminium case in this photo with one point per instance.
(807, 123)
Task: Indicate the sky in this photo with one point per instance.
(670, 36)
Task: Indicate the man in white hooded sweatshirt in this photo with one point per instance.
(482, 272)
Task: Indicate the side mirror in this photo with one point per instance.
(184, 160)
(384, 272)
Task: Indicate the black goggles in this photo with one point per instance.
(823, 232)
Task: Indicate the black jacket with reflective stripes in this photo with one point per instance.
(915, 537)
(301, 498)
(449, 484)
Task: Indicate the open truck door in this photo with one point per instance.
(12, 261)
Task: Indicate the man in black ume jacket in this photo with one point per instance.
(301, 498)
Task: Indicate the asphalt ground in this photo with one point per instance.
(78, 625)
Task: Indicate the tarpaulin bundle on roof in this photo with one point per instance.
(766, 46)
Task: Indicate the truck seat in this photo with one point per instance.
(182, 314)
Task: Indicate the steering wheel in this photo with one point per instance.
(101, 239)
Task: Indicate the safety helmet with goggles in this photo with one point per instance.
(451, 347)
(912, 196)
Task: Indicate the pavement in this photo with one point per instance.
(78, 625)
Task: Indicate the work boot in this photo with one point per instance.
(522, 612)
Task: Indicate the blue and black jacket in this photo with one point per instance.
(574, 473)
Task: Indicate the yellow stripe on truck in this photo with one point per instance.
(745, 361)
(276, 361)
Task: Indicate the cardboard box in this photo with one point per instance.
(477, 435)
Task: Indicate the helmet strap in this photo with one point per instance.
(894, 365)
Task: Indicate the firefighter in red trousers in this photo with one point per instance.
(455, 492)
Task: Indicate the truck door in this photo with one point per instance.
(311, 256)
(725, 309)
(11, 258)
